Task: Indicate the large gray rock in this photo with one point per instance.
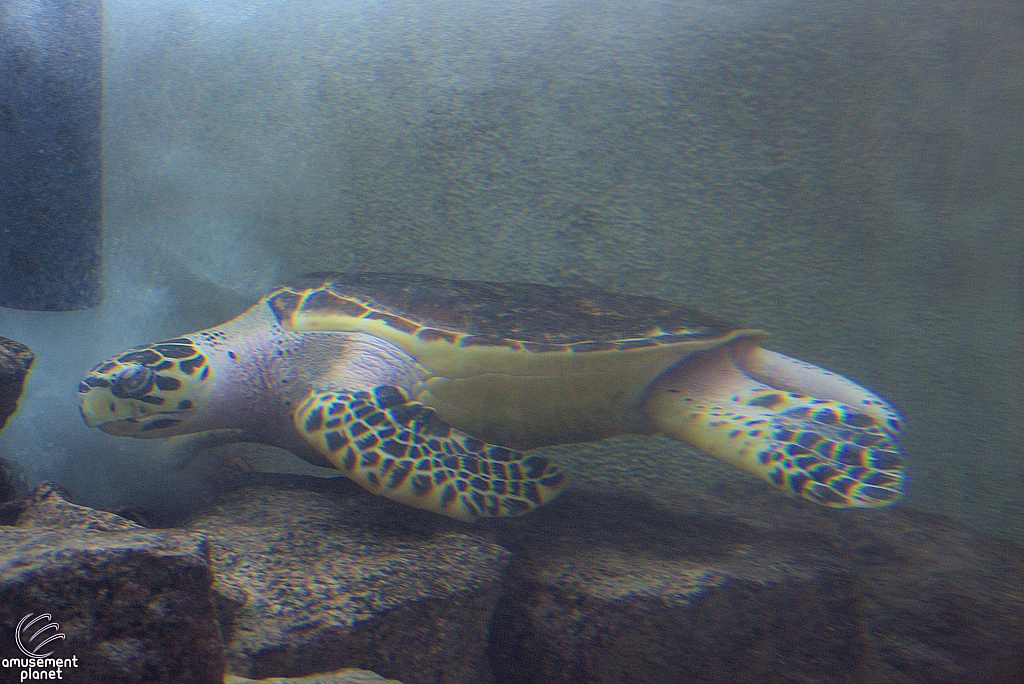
(13, 486)
(346, 676)
(288, 577)
(135, 604)
(761, 590)
(297, 580)
(314, 578)
(15, 362)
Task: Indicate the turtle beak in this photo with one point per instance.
(119, 428)
(93, 417)
(100, 410)
(117, 415)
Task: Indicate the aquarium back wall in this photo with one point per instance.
(847, 177)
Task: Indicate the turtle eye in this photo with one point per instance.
(132, 383)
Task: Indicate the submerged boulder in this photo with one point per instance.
(286, 577)
(13, 486)
(315, 575)
(756, 590)
(15, 362)
(135, 605)
(346, 676)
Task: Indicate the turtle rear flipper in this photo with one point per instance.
(818, 449)
(401, 449)
(793, 375)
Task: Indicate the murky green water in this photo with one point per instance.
(845, 177)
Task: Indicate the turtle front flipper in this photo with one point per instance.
(818, 449)
(401, 449)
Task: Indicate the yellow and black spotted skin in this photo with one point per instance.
(401, 449)
(817, 449)
(147, 389)
(844, 459)
(501, 368)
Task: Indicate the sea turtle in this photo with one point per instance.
(427, 391)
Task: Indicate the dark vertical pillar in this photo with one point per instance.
(50, 154)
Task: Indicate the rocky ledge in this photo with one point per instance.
(290, 576)
(15, 361)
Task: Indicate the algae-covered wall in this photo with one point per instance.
(847, 175)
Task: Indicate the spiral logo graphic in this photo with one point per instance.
(25, 637)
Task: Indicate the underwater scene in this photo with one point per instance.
(461, 342)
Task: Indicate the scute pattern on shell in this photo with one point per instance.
(526, 312)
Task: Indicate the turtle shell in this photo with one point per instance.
(516, 364)
(538, 317)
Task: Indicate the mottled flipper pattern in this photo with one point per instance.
(818, 449)
(794, 375)
(401, 449)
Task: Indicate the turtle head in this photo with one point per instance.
(159, 390)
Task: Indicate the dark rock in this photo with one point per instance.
(135, 604)
(140, 516)
(10, 510)
(15, 361)
(48, 507)
(346, 676)
(606, 589)
(13, 483)
(316, 578)
(290, 576)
